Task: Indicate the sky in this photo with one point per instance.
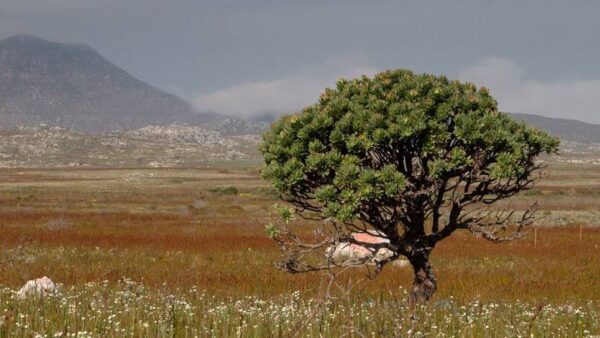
(247, 58)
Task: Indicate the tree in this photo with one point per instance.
(414, 157)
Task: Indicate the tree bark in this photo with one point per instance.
(424, 284)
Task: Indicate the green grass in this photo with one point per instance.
(131, 309)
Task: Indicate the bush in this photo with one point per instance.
(225, 191)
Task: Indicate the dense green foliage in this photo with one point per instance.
(376, 139)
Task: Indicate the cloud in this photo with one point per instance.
(283, 95)
(507, 81)
(572, 99)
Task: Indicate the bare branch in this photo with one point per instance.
(492, 225)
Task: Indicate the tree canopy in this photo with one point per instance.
(414, 156)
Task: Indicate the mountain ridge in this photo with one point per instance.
(566, 129)
(74, 86)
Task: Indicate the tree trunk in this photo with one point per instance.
(424, 284)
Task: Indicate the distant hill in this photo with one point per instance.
(73, 86)
(150, 146)
(569, 130)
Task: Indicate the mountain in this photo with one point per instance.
(73, 86)
(569, 130)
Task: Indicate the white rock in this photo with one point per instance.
(349, 251)
(39, 287)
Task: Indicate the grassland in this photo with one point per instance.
(182, 252)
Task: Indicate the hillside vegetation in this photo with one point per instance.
(151, 146)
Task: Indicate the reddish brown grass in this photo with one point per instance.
(79, 230)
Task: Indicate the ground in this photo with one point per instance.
(183, 252)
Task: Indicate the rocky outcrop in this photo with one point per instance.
(153, 146)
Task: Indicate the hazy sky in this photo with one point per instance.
(248, 57)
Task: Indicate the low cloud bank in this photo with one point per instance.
(574, 99)
(281, 96)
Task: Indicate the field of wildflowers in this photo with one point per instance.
(129, 309)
